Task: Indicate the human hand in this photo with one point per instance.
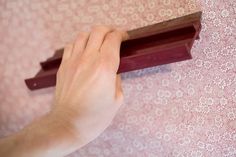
(88, 90)
(88, 95)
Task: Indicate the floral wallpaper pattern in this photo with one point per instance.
(185, 109)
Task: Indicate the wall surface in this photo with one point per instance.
(180, 109)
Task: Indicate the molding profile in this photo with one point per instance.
(157, 44)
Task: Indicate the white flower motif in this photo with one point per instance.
(129, 150)
(143, 117)
(174, 112)
(94, 9)
(229, 65)
(207, 64)
(120, 21)
(154, 144)
(211, 15)
(228, 50)
(139, 87)
(132, 119)
(176, 76)
(135, 16)
(158, 112)
(147, 97)
(161, 12)
(200, 120)
(158, 135)
(234, 137)
(209, 3)
(143, 131)
(223, 68)
(166, 2)
(224, 13)
(179, 94)
(227, 136)
(223, 101)
(215, 37)
(124, 10)
(209, 101)
(228, 30)
(166, 137)
(192, 6)
(234, 98)
(187, 106)
(167, 94)
(181, 11)
(231, 115)
(165, 82)
(197, 153)
(150, 17)
(170, 128)
(177, 153)
(127, 10)
(229, 151)
(191, 91)
(150, 119)
(234, 22)
(199, 63)
(202, 101)
(138, 144)
(128, 128)
(216, 22)
(209, 147)
(169, 12)
(121, 126)
(184, 141)
(151, 4)
(113, 14)
(141, 8)
(118, 135)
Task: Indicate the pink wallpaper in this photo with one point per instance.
(176, 110)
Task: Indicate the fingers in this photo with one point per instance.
(80, 44)
(110, 49)
(102, 39)
(96, 38)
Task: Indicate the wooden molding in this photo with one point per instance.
(161, 43)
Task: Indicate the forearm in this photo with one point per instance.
(46, 137)
(88, 96)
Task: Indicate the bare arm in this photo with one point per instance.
(88, 95)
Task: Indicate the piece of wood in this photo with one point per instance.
(162, 43)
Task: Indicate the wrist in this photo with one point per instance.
(46, 136)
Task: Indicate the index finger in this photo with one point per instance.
(111, 47)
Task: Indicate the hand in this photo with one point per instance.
(88, 90)
(88, 95)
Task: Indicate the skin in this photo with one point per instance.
(88, 96)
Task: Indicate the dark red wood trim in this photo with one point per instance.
(162, 43)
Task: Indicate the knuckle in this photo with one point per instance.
(114, 35)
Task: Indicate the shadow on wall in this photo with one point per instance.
(146, 72)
